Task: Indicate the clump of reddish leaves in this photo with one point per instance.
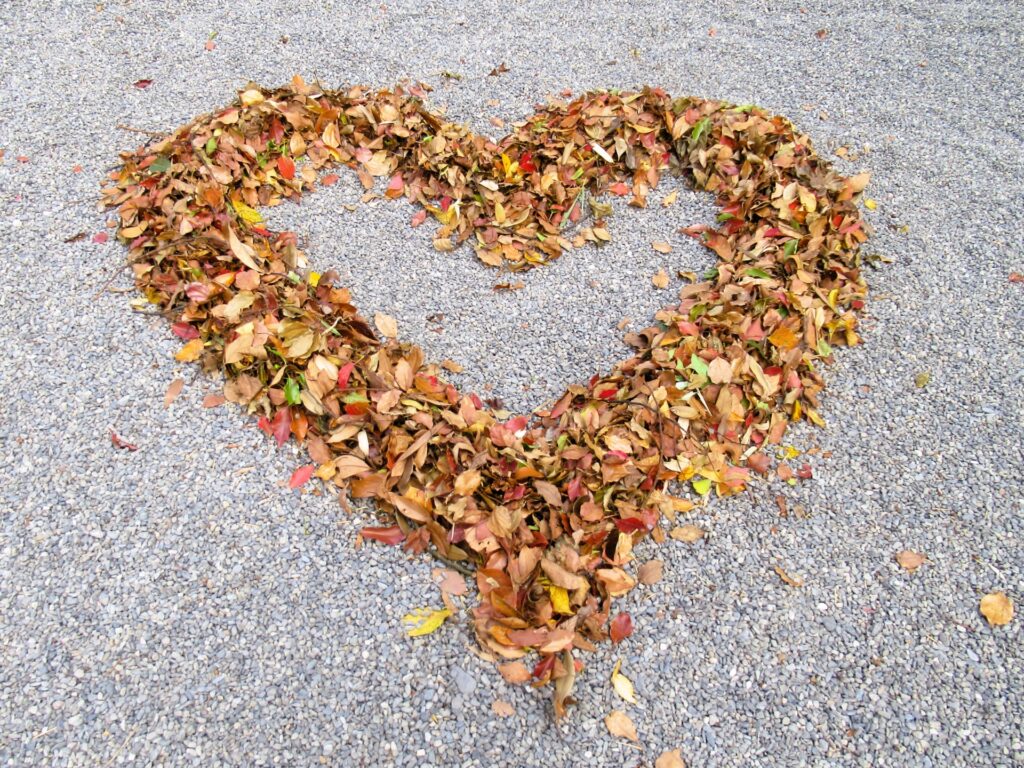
(547, 507)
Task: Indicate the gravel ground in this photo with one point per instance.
(178, 606)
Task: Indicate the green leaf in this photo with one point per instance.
(755, 272)
(698, 366)
(824, 348)
(292, 394)
(211, 146)
(790, 248)
(161, 164)
(353, 398)
(699, 130)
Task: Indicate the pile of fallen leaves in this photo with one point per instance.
(547, 508)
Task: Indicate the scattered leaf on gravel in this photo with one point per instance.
(619, 723)
(922, 379)
(660, 279)
(622, 684)
(100, 237)
(213, 400)
(143, 83)
(423, 621)
(173, 390)
(661, 246)
(997, 608)
(502, 708)
(910, 560)
(688, 533)
(120, 442)
(1016, 277)
(386, 324)
(793, 581)
(450, 581)
(301, 476)
(669, 198)
(670, 759)
(650, 572)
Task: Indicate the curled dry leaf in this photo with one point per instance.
(910, 560)
(576, 486)
(619, 723)
(793, 581)
(997, 608)
(622, 684)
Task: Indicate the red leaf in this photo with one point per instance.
(344, 373)
(1016, 277)
(286, 167)
(281, 426)
(621, 628)
(396, 184)
(516, 424)
(100, 237)
(120, 442)
(329, 179)
(301, 476)
(619, 188)
(184, 331)
(418, 218)
(526, 163)
(390, 535)
(805, 472)
(210, 45)
(630, 524)
(144, 83)
(607, 394)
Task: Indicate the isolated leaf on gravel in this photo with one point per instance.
(909, 560)
(997, 608)
(622, 684)
(621, 627)
(670, 759)
(661, 246)
(386, 324)
(922, 379)
(120, 442)
(619, 723)
(793, 581)
(650, 572)
(688, 533)
(173, 390)
(502, 708)
(423, 621)
(660, 279)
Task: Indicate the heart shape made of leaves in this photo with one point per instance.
(547, 506)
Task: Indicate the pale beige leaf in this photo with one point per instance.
(386, 324)
(173, 390)
(997, 608)
(515, 672)
(619, 723)
(688, 533)
(660, 280)
(720, 371)
(467, 482)
(502, 708)
(242, 251)
(661, 246)
(670, 198)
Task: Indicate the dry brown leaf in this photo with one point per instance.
(660, 280)
(650, 572)
(670, 198)
(386, 324)
(997, 608)
(619, 723)
(793, 581)
(515, 672)
(467, 482)
(910, 560)
(173, 390)
(688, 533)
(451, 365)
(502, 708)
(661, 246)
(670, 759)
(450, 582)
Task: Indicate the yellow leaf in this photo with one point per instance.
(245, 212)
(559, 599)
(622, 684)
(423, 621)
(314, 279)
(618, 723)
(997, 608)
(870, 204)
(669, 199)
(784, 338)
(190, 351)
(252, 96)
